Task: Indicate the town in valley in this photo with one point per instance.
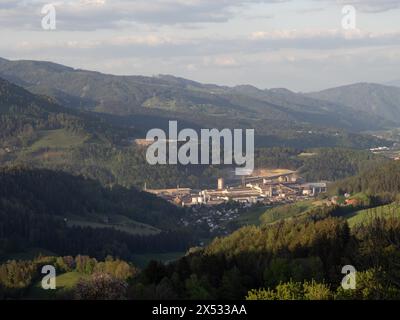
(218, 209)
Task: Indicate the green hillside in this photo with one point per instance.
(286, 211)
(36, 132)
(372, 98)
(280, 117)
(368, 215)
(115, 222)
(57, 139)
(66, 214)
(381, 181)
(64, 282)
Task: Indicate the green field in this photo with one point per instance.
(251, 217)
(287, 211)
(64, 283)
(115, 221)
(60, 139)
(274, 214)
(367, 215)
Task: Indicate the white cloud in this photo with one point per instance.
(170, 45)
(371, 6)
(322, 34)
(103, 14)
(209, 40)
(111, 14)
(220, 61)
(323, 39)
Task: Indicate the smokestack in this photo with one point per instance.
(221, 184)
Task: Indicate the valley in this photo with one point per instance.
(77, 191)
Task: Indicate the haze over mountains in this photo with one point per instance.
(395, 83)
(375, 99)
(207, 104)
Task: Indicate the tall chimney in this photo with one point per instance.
(221, 184)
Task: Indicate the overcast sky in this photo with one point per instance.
(297, 44)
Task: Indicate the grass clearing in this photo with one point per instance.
(251, 217)
(117, 222)
(286, 211)
(57, 139)
(64, 284)
(264, 172)
(367, 215)
(307, 154)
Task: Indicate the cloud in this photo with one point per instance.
(220, 61)
(179, 37)
(168, 46)
(309, 10)
(104, 14)
(370, 6)
(324, 39)
(112, 14)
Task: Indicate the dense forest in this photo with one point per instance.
(319, 164)
(127, 166)
(59, 194)
(382, 181)
(66, 214)
(297, 260)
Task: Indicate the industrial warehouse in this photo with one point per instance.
(259, 189)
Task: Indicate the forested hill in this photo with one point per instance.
(382, 180)
(299, 260)
(23, 115)
(36, 132)
(374, 99)
(65, 214)
(58, 194)
(329, 164)
(190, 100)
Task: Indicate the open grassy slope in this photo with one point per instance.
(117, 222)
(64, 284)
(367, 215)
(60, 139)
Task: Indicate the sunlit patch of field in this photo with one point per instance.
(307, 154)
(64, 284)
(271, 172)
(60, 139)
(368, 215)
(47, 155)
(117, 222)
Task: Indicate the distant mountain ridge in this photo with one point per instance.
(23, 114)
(166, 95)
(374, 99)
(393, 83)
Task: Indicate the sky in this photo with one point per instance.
(301, 45)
